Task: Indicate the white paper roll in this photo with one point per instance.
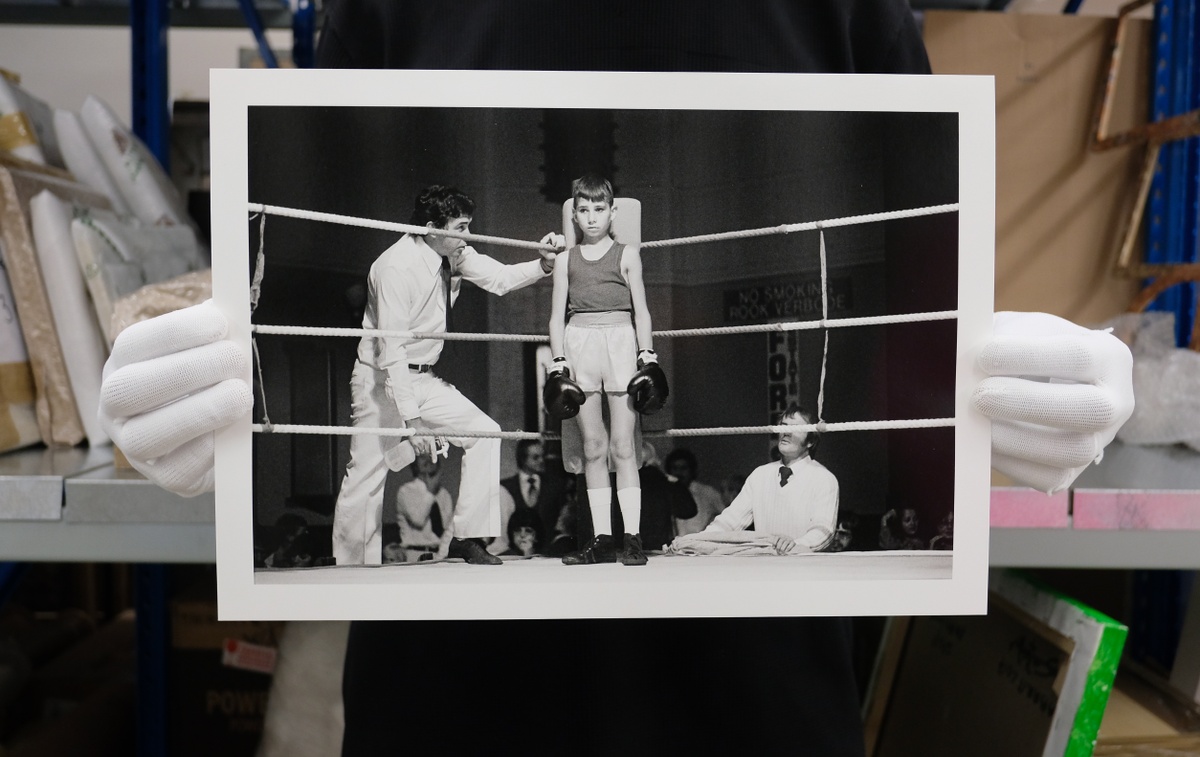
(83, 161)
(83, 345)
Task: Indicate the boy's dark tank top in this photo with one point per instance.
(597, 286)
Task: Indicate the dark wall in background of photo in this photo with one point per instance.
(695, 173)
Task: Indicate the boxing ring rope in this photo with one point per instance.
(876, 320)
(280, 428)
(367, 223)
(791, 228)
(823, 323)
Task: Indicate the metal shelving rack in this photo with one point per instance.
(84, 482)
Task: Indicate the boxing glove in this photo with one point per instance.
(648, 387)
(561, 395)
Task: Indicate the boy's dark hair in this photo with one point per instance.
(592, 187)
(814, 436)
(684, 454)
(439, 204)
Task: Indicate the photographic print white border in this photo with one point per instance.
(675, 587)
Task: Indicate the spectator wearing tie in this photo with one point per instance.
(794, 500)
(423, 508)
(530, 489)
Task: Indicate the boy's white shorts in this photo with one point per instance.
(602, 351)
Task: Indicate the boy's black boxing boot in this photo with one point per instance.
(600, 550)
(632, 554)
(472, 551)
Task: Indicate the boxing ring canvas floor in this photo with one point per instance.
(847, 583)
(891, 565)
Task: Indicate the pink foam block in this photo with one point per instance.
(1137, 509)
(1018, 507)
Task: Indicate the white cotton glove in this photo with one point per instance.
(168, 384)
(1057, 396)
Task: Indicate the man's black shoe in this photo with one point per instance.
(600, 550)
(472, 551)
(632, 554)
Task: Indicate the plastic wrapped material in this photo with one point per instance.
(18, 420)
(165, 297)
(119, 256)
(1166, 382)
(83, 161)
(304, 709)
(57, 416)
(27, 126)
(83, 345)
(142, 182)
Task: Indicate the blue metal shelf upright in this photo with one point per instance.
(149, 22)
(1173, 228)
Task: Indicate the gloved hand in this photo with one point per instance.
(648, 387)
(561, 395)
(168, 384)
(1057, 396)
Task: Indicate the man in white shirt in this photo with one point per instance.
(794, 501)
(424, 513)
(411, 287)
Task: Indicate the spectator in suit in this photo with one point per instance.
(532, 488)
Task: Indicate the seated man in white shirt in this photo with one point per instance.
(425, 513)
(794, 501)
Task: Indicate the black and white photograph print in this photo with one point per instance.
(534, 345)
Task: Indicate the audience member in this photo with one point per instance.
(682, 465)
(532, 488)
(425, 513)
(730, 487)
(565, 537)
(900, 532)
(945, 533)
(664, 502)
(292, 549)
(843, 535)
(523, 534)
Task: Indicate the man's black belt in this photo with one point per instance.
(420, 368)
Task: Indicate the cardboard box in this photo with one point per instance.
(1032, 677)
(1059, 207)
(215, 707)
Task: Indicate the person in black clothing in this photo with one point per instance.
(663, 502)
(792, 687)
(535, 489)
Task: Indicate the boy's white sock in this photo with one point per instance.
(600, 502)
(630, 501)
